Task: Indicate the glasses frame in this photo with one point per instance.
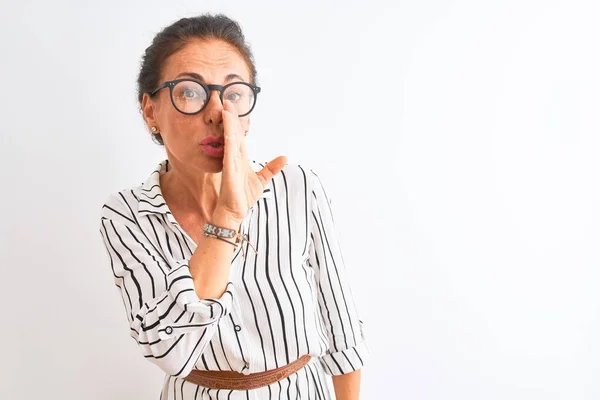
(208, 89)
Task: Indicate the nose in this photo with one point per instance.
(214, 107)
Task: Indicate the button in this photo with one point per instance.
(237, 329)
(246, 369)
(168, 330)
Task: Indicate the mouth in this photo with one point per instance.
(212, 141)
(213, 146)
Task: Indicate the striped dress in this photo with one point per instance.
(288, 299)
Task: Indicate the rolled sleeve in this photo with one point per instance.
(347, 350)
(171, 325)
(345, 361)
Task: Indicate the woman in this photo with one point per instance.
(230, 270)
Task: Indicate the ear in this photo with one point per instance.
(149, 111)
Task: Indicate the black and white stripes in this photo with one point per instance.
(288, 299)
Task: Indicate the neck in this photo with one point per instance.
(191, 191)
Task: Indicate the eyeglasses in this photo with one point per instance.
(190, 97)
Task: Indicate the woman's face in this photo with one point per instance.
(208, 61)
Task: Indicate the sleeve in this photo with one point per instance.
(169, 322)
(347, 347)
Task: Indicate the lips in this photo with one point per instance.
(213, 141)
(213, 146)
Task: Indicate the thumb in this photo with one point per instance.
(272, 168)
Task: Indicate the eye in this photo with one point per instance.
(233, 96)
(190, 94)
(188, 91)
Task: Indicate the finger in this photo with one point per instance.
(234, 143)
(231, 121)
(271, 169)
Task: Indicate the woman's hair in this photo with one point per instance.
(175, 36)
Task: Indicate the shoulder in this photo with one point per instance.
(122, 205)
(126, 202)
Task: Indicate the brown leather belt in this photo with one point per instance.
(231, 380)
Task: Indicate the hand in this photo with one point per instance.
(241, 187)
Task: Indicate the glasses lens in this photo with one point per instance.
(241, 96)
(189, 97)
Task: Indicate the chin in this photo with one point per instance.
(210, 164)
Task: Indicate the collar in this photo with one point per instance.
(151, 200)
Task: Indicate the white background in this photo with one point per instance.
(458, 140)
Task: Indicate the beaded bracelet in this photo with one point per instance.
(218, 231)
(222, 234)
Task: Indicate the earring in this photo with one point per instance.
(154, 129)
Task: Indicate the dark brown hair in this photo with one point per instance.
(175, 36)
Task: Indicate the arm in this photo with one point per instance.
(210, 263)
(347, 386)
(172, 315)
(347, 347)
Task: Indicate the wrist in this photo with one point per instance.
(225, 220)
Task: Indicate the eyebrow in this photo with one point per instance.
(199, 77)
